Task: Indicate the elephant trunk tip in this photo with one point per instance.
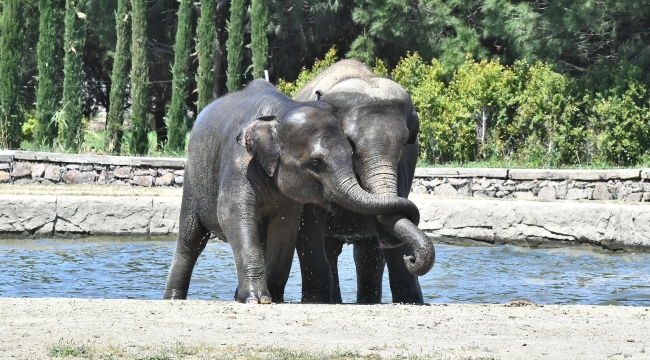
(422, 263)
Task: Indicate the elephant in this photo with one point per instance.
(254, 158)
(380, 121)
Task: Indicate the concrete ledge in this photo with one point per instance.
(178, 163)
(584, 175)
(462, 172)
(612, 226)
(29, 215)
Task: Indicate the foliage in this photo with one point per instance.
(290, 89)
(205, 48)
(235, 44)
(48, 96)
(10, 60)
(139, 78)
(119, 78)
(70, 131)
(259, 42)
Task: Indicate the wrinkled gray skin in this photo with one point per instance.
(255, 156)
(380, 122)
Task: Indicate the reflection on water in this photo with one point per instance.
(137, 269)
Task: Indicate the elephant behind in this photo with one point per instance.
(254, 157)
(380, 121)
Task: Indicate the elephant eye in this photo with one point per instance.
(314, 164)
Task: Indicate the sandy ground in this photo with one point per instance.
(39, 328)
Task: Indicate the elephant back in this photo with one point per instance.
(328, 78)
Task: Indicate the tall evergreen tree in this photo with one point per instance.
(70, 132)
(10, 64)
(139, 79)
(259, 42)
(119, 79)
(47, 96)
(177, 116)
(235, 44)
(207, 32)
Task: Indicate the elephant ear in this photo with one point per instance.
(259, 140)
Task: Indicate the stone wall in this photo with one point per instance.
(25, 167)
(631, 185)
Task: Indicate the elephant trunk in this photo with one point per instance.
(380, 177)
(349, 194)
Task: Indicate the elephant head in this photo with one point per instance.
(381, 124)
(307, 155)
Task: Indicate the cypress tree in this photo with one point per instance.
(70, 131)
(259, 42)
(47, 96)
(119, 79)
(10, 65)
(139, 79)
(176, 118)
(206, 47)
(235, 44)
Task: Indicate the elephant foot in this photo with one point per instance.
(175, 294)
(254, 292)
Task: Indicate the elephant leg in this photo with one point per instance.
(404, 286)
(370, 263)
(333, 248)
(314, 267)
(281, 235)
(192, 238)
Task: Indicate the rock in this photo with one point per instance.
(621, 192)
(84, 168)
(38, 170)
(547, 193)
(524, 195)
(579, 194)
(73, 166)
(179, 179)
(77, 177)
(166, 212)
(162, 172)
(102, 177)
(485, 193)
(430, 184)
(166, 180)
(179, 172)
(635, 197)
(601, 192)
(416, 189)
(464, 191)
(53, 172)
(142, 180)
(446, 190)
(23, 181)
(646, 197)
(123, 172)
(5, 166)
(561, 191)
(140, 172)
(526, 186)
(21, 169)
(501, 194)
(4, 177)
(458, 182)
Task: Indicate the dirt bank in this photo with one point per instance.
(38, 328)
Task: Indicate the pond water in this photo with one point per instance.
(105, 267)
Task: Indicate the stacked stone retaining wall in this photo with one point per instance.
(26, 167)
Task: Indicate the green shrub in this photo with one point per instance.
(290, 89)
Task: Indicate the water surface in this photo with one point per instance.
(136, 268)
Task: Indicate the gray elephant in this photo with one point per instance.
(380, 121)
(254, 157)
